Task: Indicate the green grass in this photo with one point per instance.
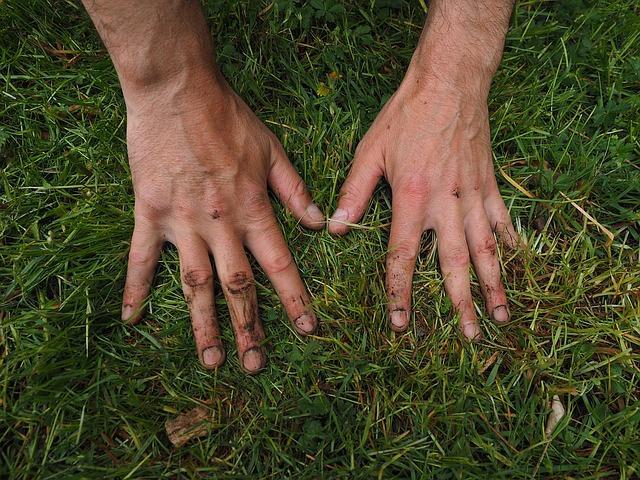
(84, 396)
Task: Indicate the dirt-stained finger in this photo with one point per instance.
(483, 249)
(237, 283)
(499, 217)
(196, 276)
(404, 244)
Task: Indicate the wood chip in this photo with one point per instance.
(557, 412)
(192, 424)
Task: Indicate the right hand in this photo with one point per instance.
(201, 162)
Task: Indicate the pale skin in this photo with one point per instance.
(431, 143)
(202, 163)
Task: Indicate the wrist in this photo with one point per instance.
(155, 45)
(462, 74)
(146, 70)
(461, 45)
(174, 88)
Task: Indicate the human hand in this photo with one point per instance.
(431, 142)
(200, 163)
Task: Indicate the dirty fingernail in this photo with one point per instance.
(399, 319)
(501, 314)
(306, 323)
(314, 213)
(212, 356)
(253, 359)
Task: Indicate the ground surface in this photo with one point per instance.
(82, 395)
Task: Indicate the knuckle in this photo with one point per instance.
(402, 253)
(255, 199)
(215, 212)
(140, 258)
(278, 263)
(463, 306)
(256, 205)
(151, 204)
(298, 189)
(456, 257)
(250, 327)
(415, 188)
(185, 211)
(214, 196)
(210, 203)
(239, 283)
(197, 277)
(487, 247)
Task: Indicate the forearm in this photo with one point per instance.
(154, 43)
(462, 42)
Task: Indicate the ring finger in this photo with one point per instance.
(236, 279)
(482, 246)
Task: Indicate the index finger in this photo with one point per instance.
(144, 254)
(269, 247)
(407, 225)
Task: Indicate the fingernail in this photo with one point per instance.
(306, 323)
(314, 213)
(399, 319)
(253, 359)
(340, 215)
(127, 312)
(501, 314)
(212, 356)
(472, 331)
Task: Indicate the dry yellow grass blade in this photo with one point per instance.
(508, 178)
(589, 217)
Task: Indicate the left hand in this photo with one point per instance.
(431, 142)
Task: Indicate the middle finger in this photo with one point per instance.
(454, 264)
